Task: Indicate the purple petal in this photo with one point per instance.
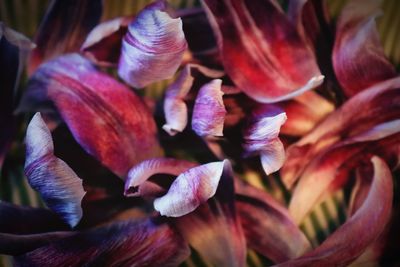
(59, 186)
(190, 189)
(358, 57)
(127, 243)
(209, 110)
(153, 47)
(91, 102)
(64, 28)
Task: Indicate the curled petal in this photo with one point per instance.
(190, 189)
(103, 44)
(153, 47)
(63, 29)
(358, 57)
(209, 110)
(272, 156)
(261, 50)
(59, 186)
(362, 229)
(126, 243)
(91, 102)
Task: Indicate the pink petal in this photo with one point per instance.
(63, 29)
(103, 44)
(153, 47)
(358, 57)
(362, 229)
(190, 189)
(262, 52)
(59, 186)
(209, 110)
(91, 102)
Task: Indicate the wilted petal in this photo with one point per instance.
(214, 228)
(103, 44)
(190, 189)
(91, 102)
(362, 229)
(129, 243)
(358, 57)
(261, 49)
(153, 47)
(59, 186)
(64, 28)
(209, 110)
(268, 226)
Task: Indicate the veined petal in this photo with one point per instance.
(209, 110)
(103, 44)
(360, 230)
(262, 52)
(63, 29)
(153, 47)
(91, 102)
(190, 190)
(268, 226)
(59, 186)
(358, 57)
(128, 243)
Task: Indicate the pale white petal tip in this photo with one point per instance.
(170, 130)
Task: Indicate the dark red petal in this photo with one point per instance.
(261, 50)
(91, 103)
(128, 243)
(64, 29)
(358, 57)
(60, 188)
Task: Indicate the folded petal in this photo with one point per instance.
(214, 228)
(268, 226)
(361, 229)
(59, 186)
(209, 110)
(91, 102)
(190, 190)
(129, 243)
(103, 44)
(358, 57)
(64, 29)
(261, 50)
(153, 47)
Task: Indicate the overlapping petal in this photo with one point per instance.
(91, 102)
(153, 47)
(59, 186)
(261, 50)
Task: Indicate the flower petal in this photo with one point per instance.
(59, 186)
(91, 102)
(358, 57)
(268, 226)
(129, 243)
(209, 110)
(190, 189)
(262, 52)
(362, 229)
(63, 29)
(103, 44)
(153, 47)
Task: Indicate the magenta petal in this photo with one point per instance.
(91, 102)
(261, 50)
(360, 230)
(64, 28)
(209, 110)
(153, 47)
(190, 189)
(127, 243)
(59, 186)
(103, 44)
(358, 57)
